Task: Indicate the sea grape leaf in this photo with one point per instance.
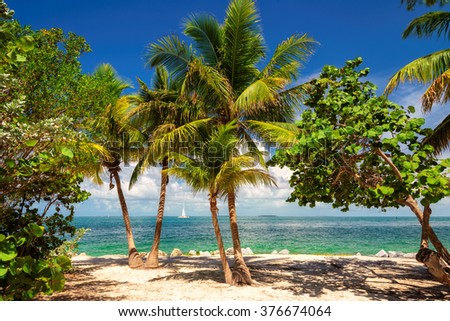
(64, 262)
(31, 142)
(386, 190)
(10, 163)
(67, 152)
(8, 251)
(3, 270)
(35, 230)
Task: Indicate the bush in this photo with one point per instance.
(24, 277)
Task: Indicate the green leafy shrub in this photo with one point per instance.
(24, 277)
(69, 248)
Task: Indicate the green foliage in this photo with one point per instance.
(13, 49)
(23, 277)
(39, 171)
(44, 156)
(69, 248)
(411, 4)
(431, 70)
(357, 148)
(43, 66)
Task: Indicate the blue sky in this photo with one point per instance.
(119, 32)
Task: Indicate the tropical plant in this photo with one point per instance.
(22, 276)
(216, 166)
(168, 122)
(411, 4)
(356, 148)
(220, 69)
(433, 69)
(43, 156)
(110, 131)
(40, 164)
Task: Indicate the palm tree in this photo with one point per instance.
(168, 122)
(220, 68)
(217, 167)
(433, 69)
(110, 131)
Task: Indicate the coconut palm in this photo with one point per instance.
(433, 69)
(168, 122)
(217, 167)
(220, 68)
(109, 130)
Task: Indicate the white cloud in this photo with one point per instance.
(143, 198)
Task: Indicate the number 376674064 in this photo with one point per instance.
(295, 310)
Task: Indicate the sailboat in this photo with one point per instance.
(183, 214)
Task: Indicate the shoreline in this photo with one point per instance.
(277, 278)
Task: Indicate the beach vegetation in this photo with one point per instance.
(432, 70)
(22, 276)
(168, 121)
(218, 167)
(109, 129)
(224, 68)
(356, 148)
(44, 155)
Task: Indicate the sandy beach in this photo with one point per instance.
(277, 277)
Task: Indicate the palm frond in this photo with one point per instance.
(411, 4)
(161, 79)
(422, 70)
(255, 97)
(283, 134)
(440, 138)
(438, 92)
(207, 83)
(425, 26)
(243, 43)
(108, 75)
(292, 100)
(289, 57)
(234, 178)
(145, 160)
(257, 177)
(206, 32)
(95, 149)
(172, 53)
(168, 137)
(249, 141)
(191, 171)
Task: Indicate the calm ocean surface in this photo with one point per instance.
(300, 235)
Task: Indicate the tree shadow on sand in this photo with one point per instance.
(82, 288)
(376, 280)
(373, 279)
(206, 268)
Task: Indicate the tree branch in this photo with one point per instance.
(390, 163)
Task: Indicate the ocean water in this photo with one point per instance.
(299, 234)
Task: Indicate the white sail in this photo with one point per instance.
(183, 214)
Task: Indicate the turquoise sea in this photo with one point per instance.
(299, 234)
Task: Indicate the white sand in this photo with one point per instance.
(277, 277)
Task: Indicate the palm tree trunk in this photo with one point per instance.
(134, 260)
(223, 255)
(241, 273)
(152, 258)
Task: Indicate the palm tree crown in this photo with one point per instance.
(432, 70)
(220, 67)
